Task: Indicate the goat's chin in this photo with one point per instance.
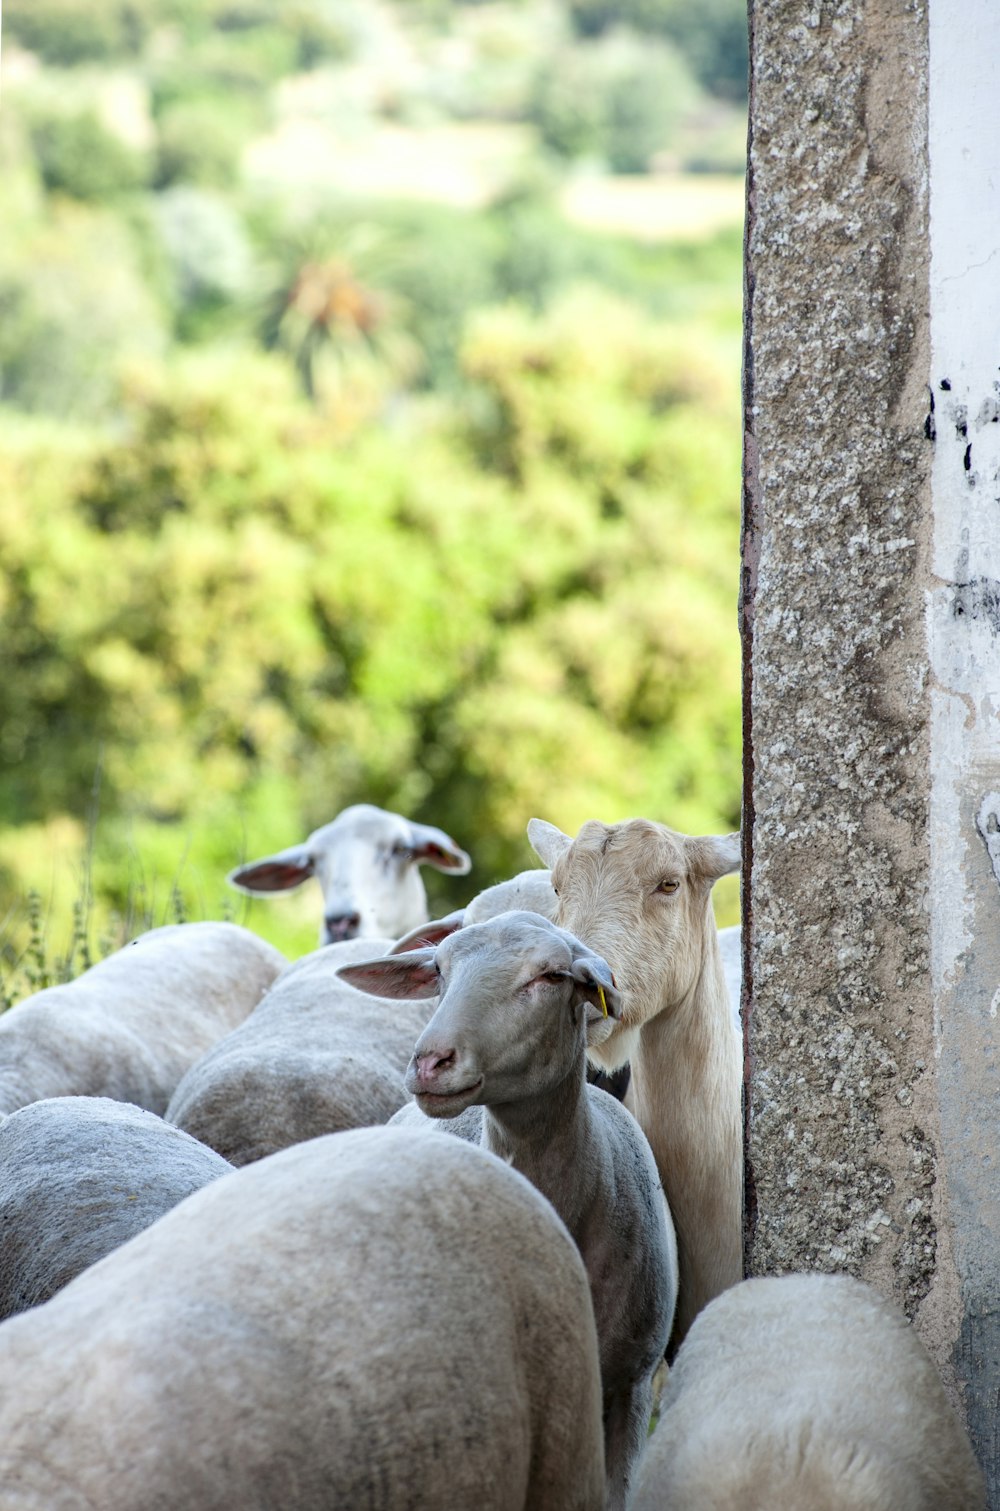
(616, 1049)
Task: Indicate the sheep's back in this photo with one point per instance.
(315, 1057)
(131, 1026)
(81, 1176)
(806, 1393)
(369, 1319)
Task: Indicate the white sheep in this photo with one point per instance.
(366, 1320)
(806, 1393)
(517, 998)
(530, 891)
(640, 895)
(130, 1026)
(81, 1176)
(367, 862)
(314, 1057)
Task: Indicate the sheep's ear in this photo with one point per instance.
(548, 842)
(429, 934)
(275, 873)
(595, 985)
(406, 976)
(714, 855)
(432, 847)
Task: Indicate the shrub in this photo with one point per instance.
(77, 155)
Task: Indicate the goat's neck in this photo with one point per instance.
(688, 1047)
(686, 1076)
(547, 1138)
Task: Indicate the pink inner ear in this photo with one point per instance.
(272, 876)
(437, 855)
(403, 977)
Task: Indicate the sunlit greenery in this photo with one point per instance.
(307, 501)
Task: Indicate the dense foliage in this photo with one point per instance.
(299, 506)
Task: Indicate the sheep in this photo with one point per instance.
(314, 1057)
(530, 892)
(640, 894)
(129, 1027)
(365, 1320)
(806, 1393)
(367, 863)
(81, 1175)
(517, 999)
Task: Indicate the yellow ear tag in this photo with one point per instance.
(604, 1005)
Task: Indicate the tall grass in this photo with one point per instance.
(32, 956)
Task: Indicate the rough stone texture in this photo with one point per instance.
(871, 824)
(842, 1139)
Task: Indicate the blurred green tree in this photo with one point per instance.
(77, 155)
(618, 98)
(712, 36)
(529, 608)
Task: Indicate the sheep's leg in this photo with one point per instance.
(626, 1422)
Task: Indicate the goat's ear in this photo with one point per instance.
(595, 986)
(432, 847)
(713, 855)
(429, 934)
(548, 842)
(275, 873)
(401, 976)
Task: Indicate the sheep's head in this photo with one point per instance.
(367, 863)
(640, 895)
(519, 999)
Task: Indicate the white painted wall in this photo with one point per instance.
(964, 643)
(964, 609)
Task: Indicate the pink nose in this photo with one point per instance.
(430, 1068)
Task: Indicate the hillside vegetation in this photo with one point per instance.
(369, 431)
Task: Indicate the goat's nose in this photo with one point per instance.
(341, 926)
(430, 1067)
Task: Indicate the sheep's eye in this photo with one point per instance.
(667, 886)
(551, 978)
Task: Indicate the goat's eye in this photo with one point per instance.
(667, 886)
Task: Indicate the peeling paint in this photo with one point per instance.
(988, 824)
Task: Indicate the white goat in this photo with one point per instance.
(314, 1057)
(367, 862)
(640, 895)
(81, 1176)
(517, 998)
(369, 1319)
(806, 1393)
(731, 950)
(130, 1026)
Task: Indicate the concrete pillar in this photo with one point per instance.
(871, 623)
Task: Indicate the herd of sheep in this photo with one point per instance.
(363, 1231)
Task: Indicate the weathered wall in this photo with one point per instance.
(963, 623)
(873, 934)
